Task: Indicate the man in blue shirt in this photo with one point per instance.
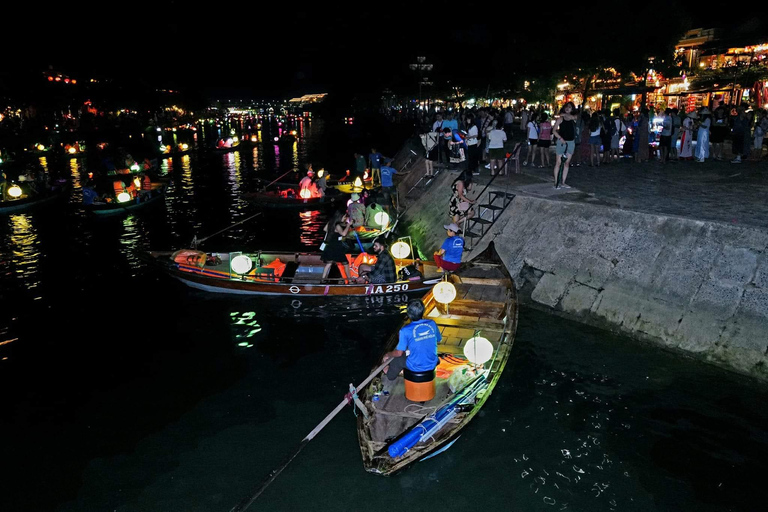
(417, 348)
(449, 256)
(387, 186)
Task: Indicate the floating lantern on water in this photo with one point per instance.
(123, 197)
(242, 264)
(164, 148)
(14, 191)
(444, 292)
(478, 350)
(400, 250)
(381, 218)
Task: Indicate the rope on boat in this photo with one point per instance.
(196, 241)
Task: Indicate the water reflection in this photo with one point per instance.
(131, 243)
(311, 228)
(25, 247)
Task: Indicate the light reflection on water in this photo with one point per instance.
(25, 246)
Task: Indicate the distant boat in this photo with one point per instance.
(479, 324)
(226, 145)
(28, 200)
(117, 207)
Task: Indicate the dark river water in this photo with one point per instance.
(123, 390)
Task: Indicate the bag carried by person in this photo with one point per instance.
(409, 273)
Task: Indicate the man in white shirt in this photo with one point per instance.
(438, 124)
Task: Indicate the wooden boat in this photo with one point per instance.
(58, 190)
(226, 149)
(393, 435)
(296, 274)
(142, 200)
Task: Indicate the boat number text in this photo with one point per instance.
(390, 288)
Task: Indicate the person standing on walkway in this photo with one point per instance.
(533, 141)
(616, 133)
(496, 139)
(761, 129)
(665, 141)
(642, 136)
(702, 137)
(686, 136)
(509, 120)
(564, 132)
(582, 158)
(473, 146)
(676, 124)
(595, 129)
(740, 134)
(545, 139)
(719, 130)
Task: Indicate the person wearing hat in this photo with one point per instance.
(307, 183)
(448, 257)
(702, 137)
(686, 137)
(356, 211)
(384, 271)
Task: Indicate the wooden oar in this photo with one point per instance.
(278, 179)
(248, 500)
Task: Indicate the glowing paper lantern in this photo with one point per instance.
(444, 292)
(164, 148)
(123, 197)
(321, 173)
(137, 182)
(14, 191)
(305, 193)
(381, 218)
(40, 147)
(478, 350)
(72, 150)
(400, 250)
(135, 167)
(277, 139)
(184, 147)
(242, 264)
(358, 182)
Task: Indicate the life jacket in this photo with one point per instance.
(119, 187)
(278, 266)
(146, 183)
(361, 259)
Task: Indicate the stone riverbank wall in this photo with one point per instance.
(697, 287)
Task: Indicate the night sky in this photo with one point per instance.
(278, 49)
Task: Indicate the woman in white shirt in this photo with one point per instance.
(473, 147)
(496, 139)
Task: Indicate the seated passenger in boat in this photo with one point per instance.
(417, 348)
(448, 257)
(90, 196)
(356, 211)
(384, 271)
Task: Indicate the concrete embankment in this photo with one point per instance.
(698, 287)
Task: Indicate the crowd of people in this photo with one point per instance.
(582, 137)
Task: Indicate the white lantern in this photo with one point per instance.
(444, 292)
(305, 193)
(14, 190)
(358, 182)
(400, 250)
(135, 167)
(242, 264)
(381, 218)
(478, 350)
(123, 197)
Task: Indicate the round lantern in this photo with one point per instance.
(478, 350)
(358, 182)
(72, 150)
(123, 197)
(14, 190)
(444, 292)
(242, 264)
(305, 193)
(381, 218)
(400, 250)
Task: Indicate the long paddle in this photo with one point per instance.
(278, 178)
(196, 242)
(248, 500)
